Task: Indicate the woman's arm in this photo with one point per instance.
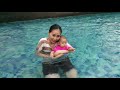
(39, 49)
(41, 54)
(60, 55)
(62, 52)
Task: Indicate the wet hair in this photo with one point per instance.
(55, 26)
(63, 37)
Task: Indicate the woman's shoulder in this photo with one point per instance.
(42, 39)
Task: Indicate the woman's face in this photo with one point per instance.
(54, 35)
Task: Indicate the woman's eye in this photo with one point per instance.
(58, 35)
(54, 35)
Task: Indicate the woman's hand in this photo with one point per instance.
(52, 54)
(60, 55)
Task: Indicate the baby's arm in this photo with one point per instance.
(71, 49)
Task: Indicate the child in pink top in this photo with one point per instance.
(61, 48)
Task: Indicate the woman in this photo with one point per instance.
(52, 65)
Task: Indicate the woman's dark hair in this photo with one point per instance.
(55, 26)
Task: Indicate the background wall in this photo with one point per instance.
(18, 16)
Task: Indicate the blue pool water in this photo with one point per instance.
(96, 38)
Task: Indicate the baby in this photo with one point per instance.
(61, 48)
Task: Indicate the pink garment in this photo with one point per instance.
(58, 47)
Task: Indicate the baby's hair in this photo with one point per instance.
(63, 37)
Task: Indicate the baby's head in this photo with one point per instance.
(63, 41)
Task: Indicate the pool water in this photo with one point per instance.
(96, 38)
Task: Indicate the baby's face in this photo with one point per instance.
(63, 42)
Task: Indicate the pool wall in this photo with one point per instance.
(20, 16)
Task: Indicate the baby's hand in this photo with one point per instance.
(71, 49)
